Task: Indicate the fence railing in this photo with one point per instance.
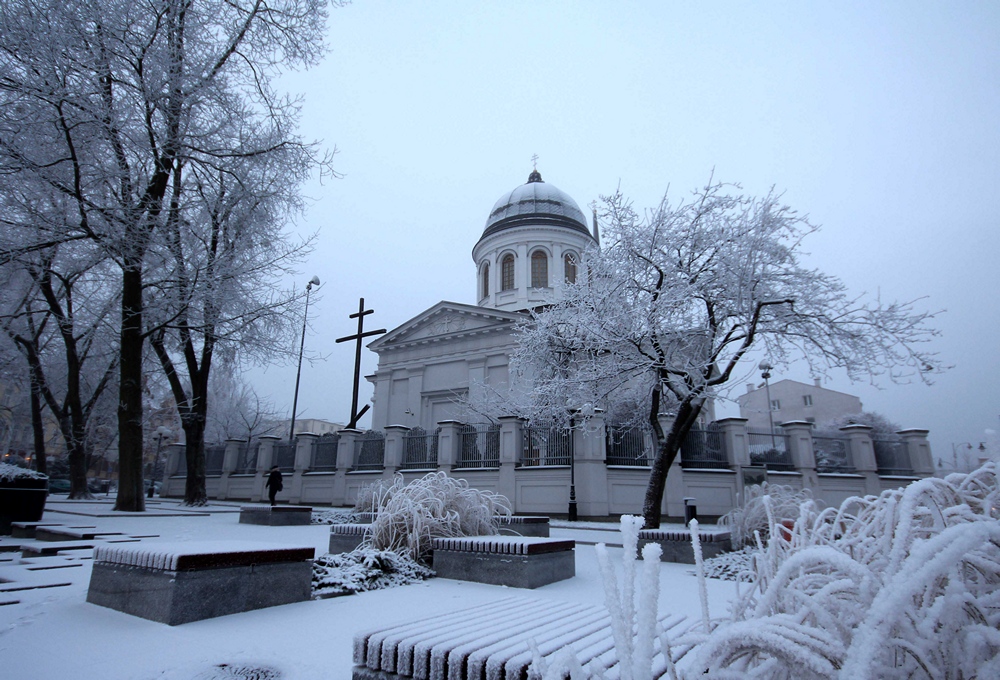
(369, 451)
(769, 449)
(627, 445)
(833, 454)
(704, 449)
(420, 449)
(214, 457)
(323, 457)
(246, 461)
(284, 456)
(891, 457)
(479, 446)
(542, 445)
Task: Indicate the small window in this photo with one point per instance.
(775, 404)
(539, 270)
(569, 264)
(807, 399)
(486, 279)
(507, 273)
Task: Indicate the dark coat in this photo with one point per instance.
(274, 480)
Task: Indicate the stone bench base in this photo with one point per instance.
(183, 582)
(537, 526)
(677, 547)
(505, 561)
(346, 537)
(276, 515)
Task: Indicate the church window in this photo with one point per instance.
(507, 273)
(486, 279)
(539, 270)
(569, 264)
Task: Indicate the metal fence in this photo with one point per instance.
(627, 445)
(704, 449)
(891, 457)
(323, 457)
(546, 445)
(369, 451)
(284, 456)
(479, 446)
(420, 449)
(833, 454)
(246, 460)
(214, 456)
(769, 449)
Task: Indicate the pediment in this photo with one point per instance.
(443, 321)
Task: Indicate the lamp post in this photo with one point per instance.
(314, 281)
(161, 434)
(765, 368)
(587, 411)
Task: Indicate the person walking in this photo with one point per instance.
(273, 483)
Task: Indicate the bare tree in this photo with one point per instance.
(112, 104)
(679, 295)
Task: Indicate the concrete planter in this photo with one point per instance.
(22, 499)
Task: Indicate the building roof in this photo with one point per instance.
(536, 203)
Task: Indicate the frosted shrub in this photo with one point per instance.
(362, 570)
(752, 515)
(900, 586)
(410, 516)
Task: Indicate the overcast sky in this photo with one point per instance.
(878, 120)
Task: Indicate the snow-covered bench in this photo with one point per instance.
(520, 562)
(490, 641)
(176, 583)
(60, 533)
(346, 537)
(275, 515)
(676, 543)
(27, 529)
(524, 525)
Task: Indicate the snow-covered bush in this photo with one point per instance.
(8, 473)
(362, 570)
(334, 516)
(409, 516)
(900, 586)
(755, 514)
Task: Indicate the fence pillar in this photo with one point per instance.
(345, 460)
(590, 469)
(510, 445)
(392, 459)
(229, 461)
(448, 445)
(303, 458)
(863, 452)
(673, 488)
(919, 451)
(734, 438)
(173, 487)
(175, 454)
(800, 450)
(265, 454)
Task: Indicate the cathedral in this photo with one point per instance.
(529, 250)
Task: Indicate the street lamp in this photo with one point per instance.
(161, 434)
(314, 281)
(765, 369)
(587, 411)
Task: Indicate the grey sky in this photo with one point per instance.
(879, 120)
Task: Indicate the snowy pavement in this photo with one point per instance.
(51, 632)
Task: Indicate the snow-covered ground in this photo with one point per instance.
(53, 633)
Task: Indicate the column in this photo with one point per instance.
(303, 459)
(265, 454)
(229, 462)
(345, 461)
(591, 472)
(800, 450)
(173, 486)
(393, 457)
(863, 455)
(919, 450)
(449, 442)
(510, 446)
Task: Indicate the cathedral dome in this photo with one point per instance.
(538, 204)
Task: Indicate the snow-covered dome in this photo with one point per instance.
(535, 203)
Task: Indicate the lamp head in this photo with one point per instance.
(314, 281)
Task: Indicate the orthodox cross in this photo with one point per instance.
(534, 161)
(360, 316)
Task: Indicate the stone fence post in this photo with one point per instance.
(919, 451)
(800, 451)
(863, 455)
(265, 454)
(230, 459)
(448, 445)
(590, 469)
(175, 454)
(735, 442)
(510, 447)
(303, 459)
(345, 461)
(392, 457)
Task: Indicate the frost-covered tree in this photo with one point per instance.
(679, 295)
(115, 105)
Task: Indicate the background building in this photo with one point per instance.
(793, 400)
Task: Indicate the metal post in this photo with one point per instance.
(571, 513)
(766, 374)
(314, 281)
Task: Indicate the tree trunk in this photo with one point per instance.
(130, 487)
(194, 450)
(668, 448)
(38, 428)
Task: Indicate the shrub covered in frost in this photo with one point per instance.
(409, 516)
(753, 516)
(364, 569)
(334, 517)
(8, 473)
(900, 586)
